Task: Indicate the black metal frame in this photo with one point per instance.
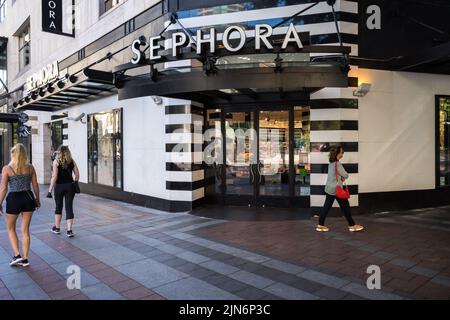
(256, 199)
(437, 145)
(63, 93)
(196, 86)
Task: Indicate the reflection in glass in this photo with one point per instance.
(213, 170)
(240, 153)
(274, 153)
(57, 134)
(104, 145)
(302, 151)
(444, 142)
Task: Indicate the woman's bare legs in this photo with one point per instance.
(25, 227)
(11, 220)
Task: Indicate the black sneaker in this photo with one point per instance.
(16, 260)
(70, 234)
(24, 263)
(56, 230)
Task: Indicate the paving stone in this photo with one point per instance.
(155, 275)
(251, 279)
(385, 255)
(17, 280)
(426, 272)
(163, 257)
(330, 293)
(192, 257)
(137, 293)
(250, 266)
(168, 248)
(368, 248)
(216, 279)
(284, 266)
(101, 291)
(252, 294)
(116, 256)
(28, 292)
(175, 262)
(362, 291)
(289, 293)
(322, 278)
(193, 289)
(403, 263)
(441, 280)
(219, 267)
(233, 286)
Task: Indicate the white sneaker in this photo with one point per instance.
(15, 261)
(320, 228)
(356, 228)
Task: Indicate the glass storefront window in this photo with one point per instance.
(105, 148)
(57, 134)
(444, 142)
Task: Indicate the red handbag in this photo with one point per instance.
(341, 192)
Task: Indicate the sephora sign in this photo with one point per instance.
(263, 33)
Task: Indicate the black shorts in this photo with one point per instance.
(18, 202)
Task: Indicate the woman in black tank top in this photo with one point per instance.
(65, 172)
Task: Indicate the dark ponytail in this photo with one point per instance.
(334, 151)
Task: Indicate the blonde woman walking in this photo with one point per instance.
(65, 184)
(18, 177)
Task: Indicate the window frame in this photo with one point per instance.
(118, 112)
(102, 6)
(437, 138)
(21, 35)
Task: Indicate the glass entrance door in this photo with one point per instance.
(264, 155)
(240, 157)
(274, 174)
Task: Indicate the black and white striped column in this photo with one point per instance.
(184, 155)
(334, 121)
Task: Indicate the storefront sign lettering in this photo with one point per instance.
(263, 32)
(47, 74)
(52, 16)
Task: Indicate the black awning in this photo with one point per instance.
(75, 89)
(9, 117)
(243, 85)
(431, 60)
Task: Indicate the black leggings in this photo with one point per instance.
(64, 192)
(345, 208)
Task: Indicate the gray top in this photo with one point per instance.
(19, 183)
(330, 187)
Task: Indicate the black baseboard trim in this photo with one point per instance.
(403, 200)
(368, 202)
(139, 199)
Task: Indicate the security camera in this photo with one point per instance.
(362, 90)
(76, 119)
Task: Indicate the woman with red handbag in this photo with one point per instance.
(335, 189)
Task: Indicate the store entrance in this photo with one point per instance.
(258, 156)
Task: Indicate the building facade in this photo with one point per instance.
(230, 123)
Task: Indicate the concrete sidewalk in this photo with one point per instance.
(129, 252)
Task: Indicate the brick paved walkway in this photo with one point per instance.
(128, 252)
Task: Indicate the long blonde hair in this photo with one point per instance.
(19, 158)
(64, 156)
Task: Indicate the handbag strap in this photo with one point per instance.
(20, 181)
